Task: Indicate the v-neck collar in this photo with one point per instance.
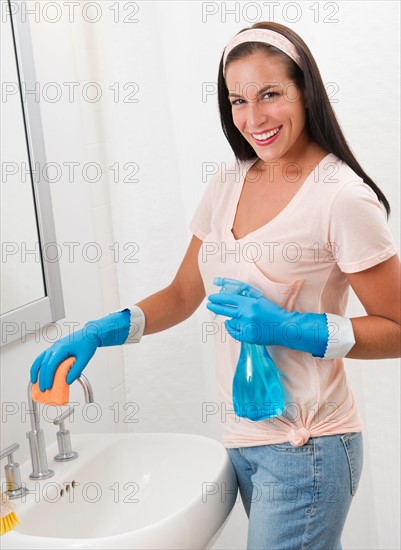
(288, 207)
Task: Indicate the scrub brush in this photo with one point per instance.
(8, 517)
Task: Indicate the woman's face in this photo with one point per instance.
(267, 108)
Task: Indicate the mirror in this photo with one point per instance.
(31, 294)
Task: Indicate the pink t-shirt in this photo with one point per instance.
(334, 224)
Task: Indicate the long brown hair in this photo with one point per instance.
(321, 121)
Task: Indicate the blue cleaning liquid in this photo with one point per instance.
(257, 391)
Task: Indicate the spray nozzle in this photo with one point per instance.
(233, 286)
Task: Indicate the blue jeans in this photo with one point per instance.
(297, 498)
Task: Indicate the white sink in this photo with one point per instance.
(137, 491)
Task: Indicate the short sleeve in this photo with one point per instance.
(200, 224)
(358, 231)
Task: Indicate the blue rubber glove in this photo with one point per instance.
(111, 330)
(261, 321)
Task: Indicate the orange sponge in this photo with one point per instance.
(59, 394)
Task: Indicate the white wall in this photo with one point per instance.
(73, 133)
(172, 53)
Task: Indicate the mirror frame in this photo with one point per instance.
(32, 316)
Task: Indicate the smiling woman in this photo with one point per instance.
(340, 215)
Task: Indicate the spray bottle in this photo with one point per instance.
(257, 392)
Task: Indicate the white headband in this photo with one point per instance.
(268, 37)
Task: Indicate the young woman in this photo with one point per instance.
(297, 217)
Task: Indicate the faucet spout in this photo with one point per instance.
(86, 386)
(36, 436)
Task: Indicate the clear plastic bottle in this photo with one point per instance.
(257, 391)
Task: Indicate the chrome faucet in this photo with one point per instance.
(36, 436)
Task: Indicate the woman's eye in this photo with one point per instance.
(271, 94)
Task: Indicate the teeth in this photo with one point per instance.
(262, 137)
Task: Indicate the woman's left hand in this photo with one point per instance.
(261, 321)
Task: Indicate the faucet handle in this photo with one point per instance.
(13, 474)
(63, 416)
(9, 451)
(65, 451)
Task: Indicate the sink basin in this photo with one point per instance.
(144, 491)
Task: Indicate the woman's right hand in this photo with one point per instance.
(111, 330)
(79, 345)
